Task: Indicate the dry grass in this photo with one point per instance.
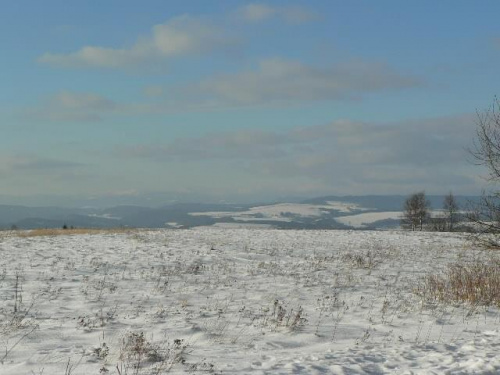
(67, 232)
(476, 283)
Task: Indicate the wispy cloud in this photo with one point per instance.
(34, 163)
(396, 157)
(280, 81)
(180, 36)
(443, 140)
(350, 154)
(275, 82)
(73, 106)
(259, 12)
(251, 144)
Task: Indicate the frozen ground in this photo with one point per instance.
(237, 301)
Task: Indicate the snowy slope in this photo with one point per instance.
(367, 219)
(237, 301)
(286, 212)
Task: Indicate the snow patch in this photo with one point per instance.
(364, 220)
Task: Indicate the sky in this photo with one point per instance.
(237, 101)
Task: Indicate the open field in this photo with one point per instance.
(66, 232)
(240, 301)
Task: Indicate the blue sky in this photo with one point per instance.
(241, 101)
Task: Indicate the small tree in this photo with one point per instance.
(416, 211)
(450, 207)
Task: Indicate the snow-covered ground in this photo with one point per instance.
(285, 211)
(366, 219)
(238, 301)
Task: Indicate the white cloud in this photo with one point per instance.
(187, 35)
(258, 12)
(279, 81)
(276, 82)
(180, 36)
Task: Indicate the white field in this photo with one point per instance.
(238, 301)
(367, 218)
(281, 211)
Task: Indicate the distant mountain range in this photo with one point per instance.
(332, 212)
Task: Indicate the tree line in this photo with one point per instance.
(417, 213)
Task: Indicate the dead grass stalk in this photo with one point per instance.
(477, 283)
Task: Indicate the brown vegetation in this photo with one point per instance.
(477, 283)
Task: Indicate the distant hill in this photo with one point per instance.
(330, 212)
(389, 202)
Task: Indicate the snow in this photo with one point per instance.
(283, 211)
(365, 219)
(241, 225)
(238, 301)
(345, 207)
(173, 224)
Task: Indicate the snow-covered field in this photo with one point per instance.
(238, 301)
(284, 211)
(365, 219)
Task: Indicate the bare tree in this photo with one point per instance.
(486, 152)
(416, 211)
(486, 145)
(450, 207)
(485, 218)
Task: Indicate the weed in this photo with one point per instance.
(477, 283)
(136, 350)
(102, 351)
(17, 325)
(284, 316)
(361, 260)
